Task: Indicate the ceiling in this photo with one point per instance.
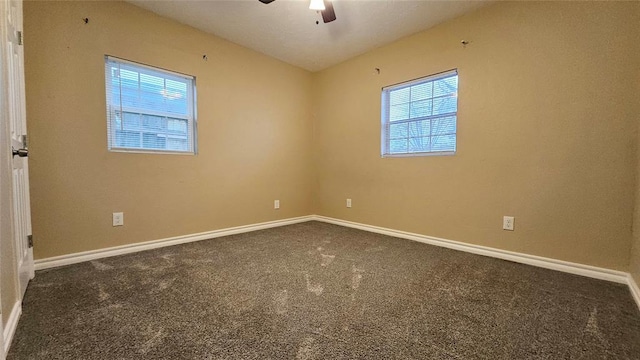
(287, 29)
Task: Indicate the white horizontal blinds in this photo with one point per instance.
(148, 109)
(420, 116)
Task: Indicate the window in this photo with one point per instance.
(149, 109)
(419, 116)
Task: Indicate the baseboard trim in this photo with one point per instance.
(11, 326)
(539, 261)
(533, 260)
(75, 258)
(635, 290)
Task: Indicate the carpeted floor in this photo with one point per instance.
(319, 291)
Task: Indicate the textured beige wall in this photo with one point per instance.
(254, 132)
(546, 133)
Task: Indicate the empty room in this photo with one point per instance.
(320, 179)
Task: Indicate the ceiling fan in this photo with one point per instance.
(324, 6)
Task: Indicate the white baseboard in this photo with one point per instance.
(74, 258)
(539, 261)
(635, 290)
(11, 326)
(548, 263)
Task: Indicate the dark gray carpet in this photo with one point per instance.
(319, 291)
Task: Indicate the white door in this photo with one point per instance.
(18, 135)
(5, 166)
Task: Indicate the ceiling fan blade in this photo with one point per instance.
(328, 15)
(266, 1)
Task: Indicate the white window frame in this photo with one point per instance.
(385, 131)
(114, 105)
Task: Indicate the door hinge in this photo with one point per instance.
(30, 239)
(19, 37)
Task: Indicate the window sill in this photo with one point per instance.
(434, 153)
(159, 152)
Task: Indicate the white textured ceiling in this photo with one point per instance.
(287, 30)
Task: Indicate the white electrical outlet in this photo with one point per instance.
(118, 219)
(276, 204)
(507, 223)
(348, 203)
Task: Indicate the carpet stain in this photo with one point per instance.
(141, 266)
(101, 266)
(168, 257)
(326, 259)
(308, 349)
(281, 302)
(102, 294)
(154, 338)
(593, 329)
(163, 285)
(356, 277)
(316, 289)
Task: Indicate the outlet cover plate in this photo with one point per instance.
(118, 219)
(508, 222)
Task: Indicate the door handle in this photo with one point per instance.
(20, 152)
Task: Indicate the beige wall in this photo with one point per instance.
(254, 130)
(546, 133)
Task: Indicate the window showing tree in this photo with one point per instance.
(419, 117)
(149, 109)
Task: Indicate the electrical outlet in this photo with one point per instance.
(507, 223)
(276, 204)
(118, 219)
(348, 203)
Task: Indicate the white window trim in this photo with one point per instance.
(192, 126)
(385, 123)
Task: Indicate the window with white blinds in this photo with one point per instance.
(419, 116)
(149, 109)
